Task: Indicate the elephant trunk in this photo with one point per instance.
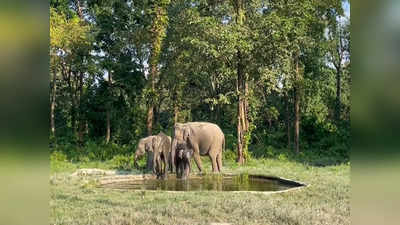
(135, 163)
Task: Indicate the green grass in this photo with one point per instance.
(76, 200)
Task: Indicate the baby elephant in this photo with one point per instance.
(182, 161)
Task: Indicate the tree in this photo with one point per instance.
(120, 57)
(338, 52)
(69, 50)
(159, 17)
(264, 71)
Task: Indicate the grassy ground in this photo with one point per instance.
(76, 200)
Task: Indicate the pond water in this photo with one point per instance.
(242, 182)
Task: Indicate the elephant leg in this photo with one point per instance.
(159, 170)
(183, 171)
(154, 164)
(190, 166)
(178, 169)
(165, 160)
(173, 164)
(149, 163)
(160, 167)
(156, 167)
(213, 159)
(197, 160)
(181, 168)
(186, 170)
(219, 161)
(196, 156)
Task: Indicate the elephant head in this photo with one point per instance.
(181, 134)
(156, 142)
(180, 149)
(144, 145)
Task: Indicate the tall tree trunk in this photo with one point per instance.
(86, 127)
(157, 32)
(246, 105)
(297, 109)
(240, 157)
(288, 112)
(150, 120)
(241, 90)
(156, 115)
(241, 124)
(216, 113)
(176, 109)
(53, 106)
(66, 73)
(79, 8)
(297, 120)
(338, 94)
(81, 126)
(176, 114)
(79, 117)
(108, 119)
(175, 104)
(150, 109)
(108, 134)
(73, 105)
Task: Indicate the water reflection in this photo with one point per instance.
(242, 182)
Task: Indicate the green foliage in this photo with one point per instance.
(67, 34)
(122, 162)
(58, 156)
(229, 155)
(315, 157)
(92, 151)
(194, 46)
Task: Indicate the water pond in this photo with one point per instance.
(241, 182)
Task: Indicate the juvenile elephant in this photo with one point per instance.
(158, 148)
(182, 161)
(145, 145)
(204, 138)
(162, 148)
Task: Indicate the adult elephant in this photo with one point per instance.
(204, 138)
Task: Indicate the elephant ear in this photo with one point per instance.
(155, 142)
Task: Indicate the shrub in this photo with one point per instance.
(122, 162)
(84, 159)
(58, 156)
(283, 157)
(229, 155)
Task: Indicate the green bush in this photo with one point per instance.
(58, 156)
(122, 162)
(92, 151)
(229, 155)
